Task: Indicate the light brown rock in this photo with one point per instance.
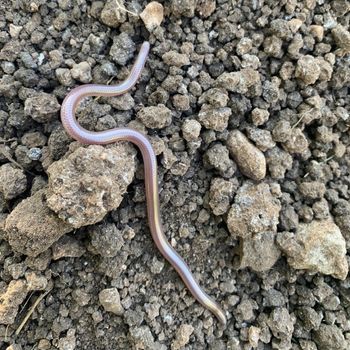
(259, 252)
(32, 227)
(250, 160)
(152, 15)
(317, 247)
(9, 301)
(255, 210)
(90, 182)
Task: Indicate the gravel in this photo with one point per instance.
(246, 105)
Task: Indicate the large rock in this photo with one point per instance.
(32, 227)
(90, 182)
(317, 247)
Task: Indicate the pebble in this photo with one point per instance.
(247, 81)
(155, 117)
(250, 160)
(317, 246)
(281, 324)
(152, 15)
(64, 76)
(220, 195)
(255, 210)
(68, 342)
(217, 157)
(110, 300)
(182, 336)
(42, 107)
(297, 143)
(81, 72)
(342, 39)
(191, 129)
(173, 58)
(329, 337)
(259, 252)
(307, 70)
(312, 189)
(13, 181)
(214, 118)
(112, 16)
(260, 116)
(278, 162)
(35, 281)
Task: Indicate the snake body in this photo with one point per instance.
(76, 131)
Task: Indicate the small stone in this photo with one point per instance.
(13, 181)
(142, 338)
(295, 24)
(183, 7)
(191, 129)
(261, 137)
(281, 324)
(260, 116)
(307, 69)
(255, 210)
(42, 107)
(123, 49)
(215, 97)
(278, 162)
(309, 318)
(214, 118)
(112, 15)
(110, 300)
(68, 342)
(259, 252)
(217, 157)
(246, 81)
(220, 195)
(64, 76)
(342, 39)
(254, 336)
(67, 247)
(181, 102)
(32, 227)
(82, 72)
(11, 299)
(155, 117)
(273, 46)
(90, 182)
(34, 153)
(173, 58)
(250, 160)
(81, 297)
(15, 30)
(317, 31)
(317, 246)
(152, 15)
(297, 143)
(206, 7)
(182, 336)
(329, 337)
(244, 46)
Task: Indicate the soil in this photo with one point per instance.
(246, 104)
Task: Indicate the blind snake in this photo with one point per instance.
(76, 131)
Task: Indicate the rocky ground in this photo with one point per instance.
(247, 107)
